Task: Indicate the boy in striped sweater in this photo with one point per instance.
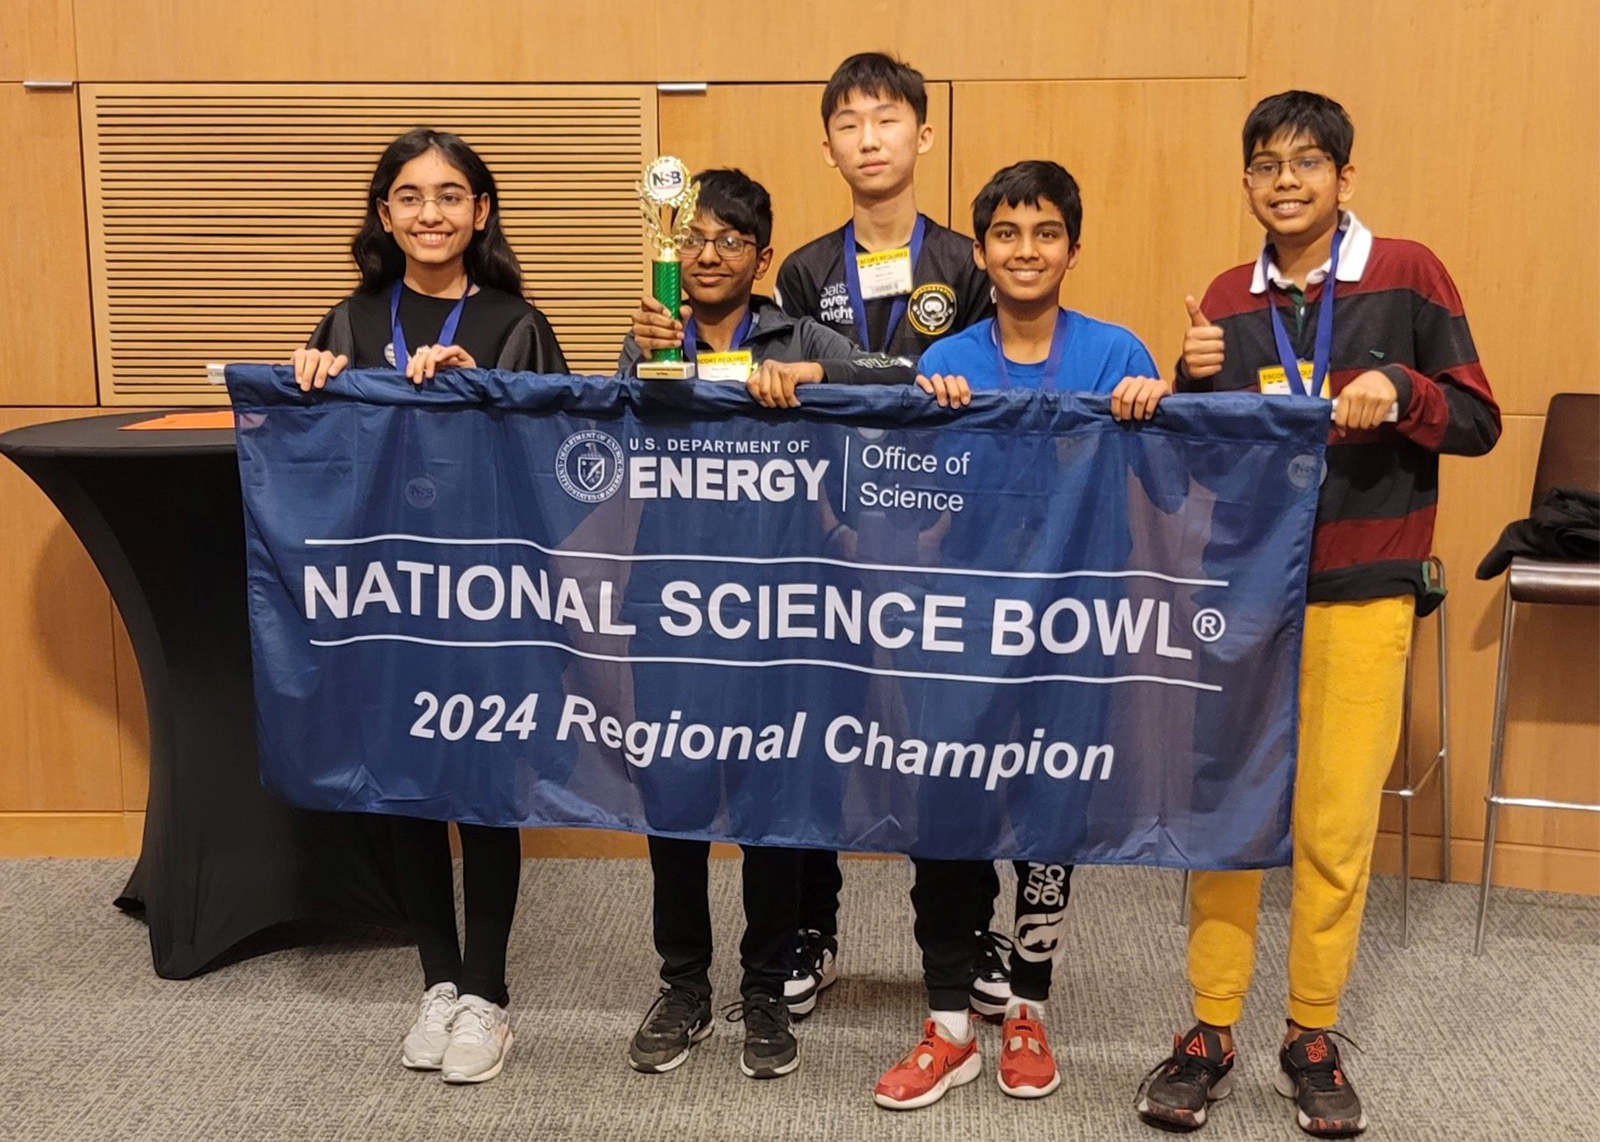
(1376, 324)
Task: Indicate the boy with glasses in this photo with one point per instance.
(745, 337)
(734, 336)
(1377, 324)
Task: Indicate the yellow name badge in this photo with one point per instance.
(884, 274)
(1274, 381)
(734, 366)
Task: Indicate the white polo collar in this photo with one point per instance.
(1354, 250)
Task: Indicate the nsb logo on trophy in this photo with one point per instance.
(667, 198)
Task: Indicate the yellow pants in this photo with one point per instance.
(1352, 688)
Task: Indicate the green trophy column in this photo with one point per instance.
(667, 277)
(667, 197)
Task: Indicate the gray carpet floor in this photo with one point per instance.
(304, 1043)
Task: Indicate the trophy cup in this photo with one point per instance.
(667, 199)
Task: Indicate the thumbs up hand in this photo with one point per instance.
(1202, 344)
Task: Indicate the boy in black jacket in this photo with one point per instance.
(732, 336)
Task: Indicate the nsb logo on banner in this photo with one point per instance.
(1017, 630)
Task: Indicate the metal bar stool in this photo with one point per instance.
(1569, 456)
(1440, 766)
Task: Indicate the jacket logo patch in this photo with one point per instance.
(932, 309)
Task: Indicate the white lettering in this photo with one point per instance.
(677, 597)
(1124, 628)
(1164, 632)
(1080, 634)
(1011, 630)
(464, 592)
(875, 619)
(935, 620)
(375, 588)
(719, 625)
(336, 598)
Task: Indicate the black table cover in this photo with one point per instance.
(223, 860)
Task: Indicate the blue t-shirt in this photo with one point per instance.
(1097, 356)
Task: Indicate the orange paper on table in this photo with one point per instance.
(210, 418)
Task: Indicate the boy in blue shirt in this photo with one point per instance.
(1027, 222)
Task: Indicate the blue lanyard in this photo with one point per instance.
(1052, 363)
(1323, 352)
(852, 281)
(397, 336)
(691, 336)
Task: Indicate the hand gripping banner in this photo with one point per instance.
(1017, 630)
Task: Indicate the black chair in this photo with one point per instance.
(1569, 457)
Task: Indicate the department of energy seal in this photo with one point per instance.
(589, 466)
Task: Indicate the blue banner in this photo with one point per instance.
(1020, 629)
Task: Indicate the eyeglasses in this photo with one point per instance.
(409, 203)
(730, 247)
(1264, 172)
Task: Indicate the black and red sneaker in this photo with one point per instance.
(1309, 1071)
(1175, 1093)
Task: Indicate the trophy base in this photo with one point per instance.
(665, 370)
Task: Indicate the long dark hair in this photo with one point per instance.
(489, 259)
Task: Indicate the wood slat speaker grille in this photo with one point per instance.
(220, 216)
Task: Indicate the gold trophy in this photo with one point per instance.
(667, 199)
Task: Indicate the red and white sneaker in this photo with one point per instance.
(1027, 1068)
(933, 1067)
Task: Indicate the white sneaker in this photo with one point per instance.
(813, 968)
(991, 987)
(424, 1047)
(480, 1037)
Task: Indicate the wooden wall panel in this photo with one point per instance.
(44, 308)
(951, 40)
(25, 835)
(618, 41)
(1478, 144)
(1159, 215)
(58, 702)
(347, 41)
(36, 41)
(774, 134)
(1515, 866)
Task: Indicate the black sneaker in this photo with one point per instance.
(1175, 1093)
(991, 986)
(676, 1021)
(1309, 1072)
(770, 1048)
(813, 969)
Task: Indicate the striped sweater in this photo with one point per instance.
(1403, 316)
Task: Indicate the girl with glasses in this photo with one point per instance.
(441, 289)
